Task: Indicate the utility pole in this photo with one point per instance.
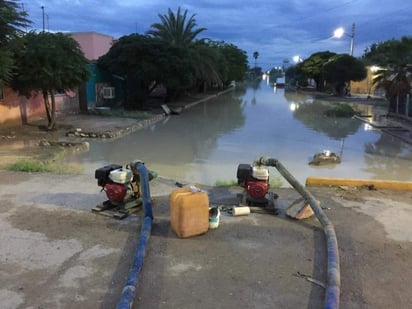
(352, 39)
(44, 25)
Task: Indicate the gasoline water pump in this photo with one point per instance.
(255, 181)
(121, 185)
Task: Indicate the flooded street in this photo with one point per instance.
(206, 143)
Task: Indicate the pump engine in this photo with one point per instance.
(255, 181)
(120, 184)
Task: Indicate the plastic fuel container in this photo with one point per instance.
(189, 212)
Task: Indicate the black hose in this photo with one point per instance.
(333, 271)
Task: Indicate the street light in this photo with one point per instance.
(338, 33)
(297, 59)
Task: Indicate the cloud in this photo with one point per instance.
(276, 29)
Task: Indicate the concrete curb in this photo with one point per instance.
(378, 184)
(208, 98)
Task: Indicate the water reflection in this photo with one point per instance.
(313, 116)
(206, 143)
(380, 154)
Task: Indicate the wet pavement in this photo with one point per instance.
(79, 259)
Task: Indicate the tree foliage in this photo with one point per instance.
(255, 56)
(171, 56)
(12, 20)
(392, 53)
(343, 68)
(233, 63)
(313, 67)
(48, 62)
(394, 57)
(145, 62)
(176, 29)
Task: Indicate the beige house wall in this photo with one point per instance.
(365, 86)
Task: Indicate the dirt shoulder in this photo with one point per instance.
(33, 142)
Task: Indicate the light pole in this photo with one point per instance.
(297, 59)
(338, 33)
(42, 9)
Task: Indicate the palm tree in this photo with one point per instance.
(194, 58)
(255, 55)
(12, 19)
(396, 83)
(395, 59)
(176, 30)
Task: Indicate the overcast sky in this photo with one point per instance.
(278, 30)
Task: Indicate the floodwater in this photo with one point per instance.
(206, 143)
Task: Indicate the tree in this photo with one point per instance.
(313, 67)
(179, 31)
(169, 55)
(255, 55)
(6, 66)
(342, 68)
(295, 77)
(48, 62)
(206, 62)
(234, 61)
(11, 21)
(142, 61)
(395, 59)
(175, 29)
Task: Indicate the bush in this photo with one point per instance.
(340, 110)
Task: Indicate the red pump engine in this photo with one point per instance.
(255, 181)
(115, 192)
(117, 182)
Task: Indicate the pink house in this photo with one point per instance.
(93, 44)
(15, 109)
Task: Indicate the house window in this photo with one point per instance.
(60, 92)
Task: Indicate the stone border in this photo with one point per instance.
(118, 133)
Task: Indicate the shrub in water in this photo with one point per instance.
(340, 110)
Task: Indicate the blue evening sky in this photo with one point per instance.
(278, 30)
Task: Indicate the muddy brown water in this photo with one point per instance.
(205, 144)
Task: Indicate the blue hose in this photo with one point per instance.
(129, 290)
(333, 272)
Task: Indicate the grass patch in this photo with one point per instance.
(33, 166)
(119, 113)
(340, 110)
(226, 183)
(274, 182)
